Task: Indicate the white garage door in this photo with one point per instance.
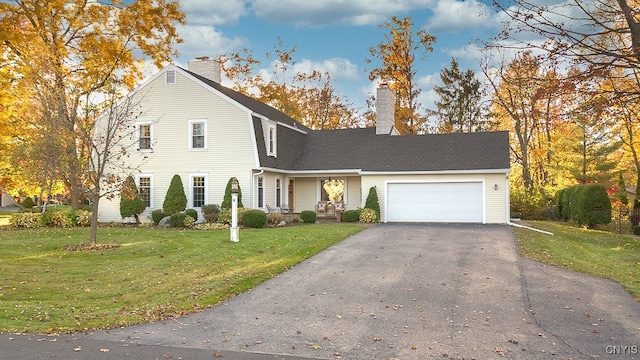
(435, 202)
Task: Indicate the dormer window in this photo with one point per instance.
(272, 140)
(170, 77)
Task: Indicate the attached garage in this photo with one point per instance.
(456, 202)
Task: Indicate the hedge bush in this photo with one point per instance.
(585, 204)
(351, 215)
(177, 220)
(55, 218)
(308, 217)
(636, 230)
(210, 212)
(25, 220)
(224, 217)
(157, 215)
(369, 216)
(254, 218)
(193, 213)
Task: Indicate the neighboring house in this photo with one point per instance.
(206, 133)
(5, 199)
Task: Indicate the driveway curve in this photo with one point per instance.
(406, 291)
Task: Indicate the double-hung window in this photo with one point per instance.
(144, 189)
(198, 190)
(260, 192)
(278, 192)
(144, 134)
(170, 77)
(197, 134)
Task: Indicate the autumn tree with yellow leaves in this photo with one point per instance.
(308, 97)
(397, 53)
(66, 55)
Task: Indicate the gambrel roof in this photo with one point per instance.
(360, 149)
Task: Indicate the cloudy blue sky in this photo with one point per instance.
(335, 35)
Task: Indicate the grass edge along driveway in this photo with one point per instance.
(594, 252)
(154, 274)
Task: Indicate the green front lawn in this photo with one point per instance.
(595, 252)
(153, 274)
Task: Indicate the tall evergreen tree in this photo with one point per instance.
(459, 107)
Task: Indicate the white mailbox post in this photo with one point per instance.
(235, 233)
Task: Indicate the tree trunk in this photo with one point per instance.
(93, 235)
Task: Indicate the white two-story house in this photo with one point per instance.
(193, 126)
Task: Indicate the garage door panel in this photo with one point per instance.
(435, 202)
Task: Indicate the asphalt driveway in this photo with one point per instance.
(390, 292)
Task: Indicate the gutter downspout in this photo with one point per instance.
(253, 182)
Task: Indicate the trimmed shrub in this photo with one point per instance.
(226, 201)
(368, 216)
(131, 204)
(351, 215)
(80, 218)
(28, 203)
(189, 221)
(25, 219)
(585, 204)
(224, 217)
(308, 217)
(175, 200)
(177, 220)
(594, 205)
(54, 218)
(254, 218)
(193, 213)
(372, 202)
(210, 212)
(636, 230)
(275, 218)
(157, 215)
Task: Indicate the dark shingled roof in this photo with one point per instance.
(361, 149)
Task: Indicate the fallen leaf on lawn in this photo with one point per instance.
(315, 347)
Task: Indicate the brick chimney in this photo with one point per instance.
(206, 67)
(385, 110)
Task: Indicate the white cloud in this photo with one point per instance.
(471, 52)
(323, 12)
(211, 13)
(338, 68)
(454, 16)
(206, 41)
